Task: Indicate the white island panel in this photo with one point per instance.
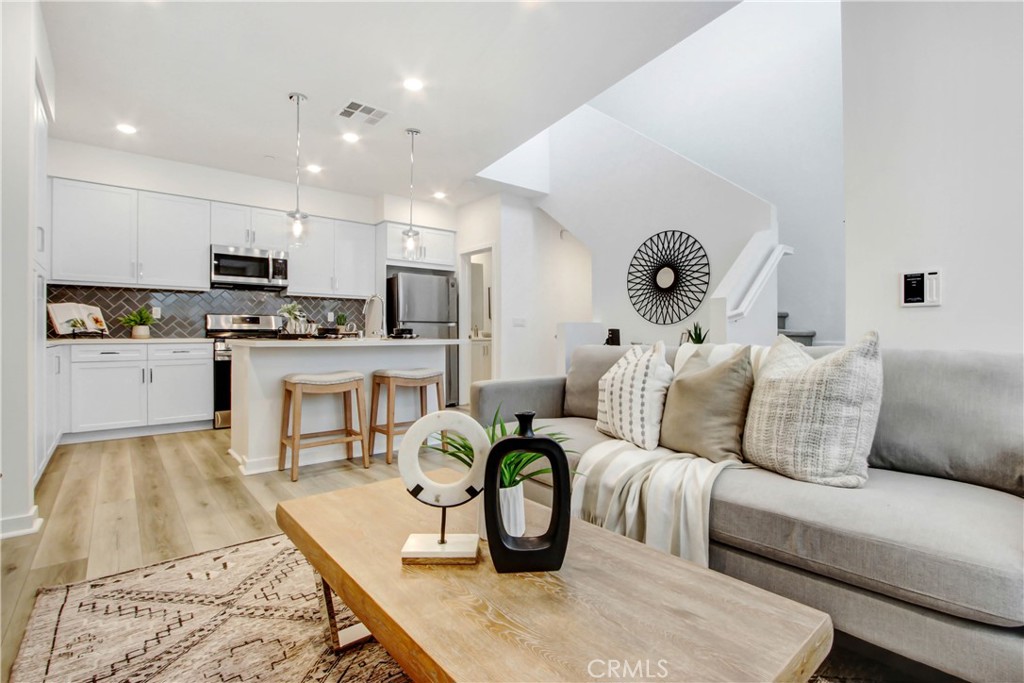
(258, 368)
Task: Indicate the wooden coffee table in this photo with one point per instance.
(617, 610)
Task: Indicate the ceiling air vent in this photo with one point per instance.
(363, 113)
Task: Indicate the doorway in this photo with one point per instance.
(481, 315)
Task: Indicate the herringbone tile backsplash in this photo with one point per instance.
(183, 313)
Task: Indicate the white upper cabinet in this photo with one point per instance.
(437, 247)
(245, 226)
(230, 224)
(355, 262)
(311, 266)
(270, 229)
(337, 259)
(94, 233)
(174, 241)
(41, 237)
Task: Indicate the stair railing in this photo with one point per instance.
(764, 274)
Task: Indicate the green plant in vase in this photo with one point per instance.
(513, 468)
(697, 334)
(139, 321)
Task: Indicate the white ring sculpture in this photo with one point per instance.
(425, 489)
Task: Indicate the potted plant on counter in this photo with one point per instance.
(139, 321)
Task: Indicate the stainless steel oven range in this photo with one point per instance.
(224, 327)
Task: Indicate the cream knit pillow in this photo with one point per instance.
(814, 420)
(631, 396)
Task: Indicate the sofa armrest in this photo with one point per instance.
(543, 395)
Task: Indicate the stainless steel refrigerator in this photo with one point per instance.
(429, 306)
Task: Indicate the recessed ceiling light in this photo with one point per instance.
(126, 128)
(313, 168)
(350, 137)
(439, 195)
(413, 84)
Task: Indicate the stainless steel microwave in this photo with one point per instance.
(245, 268)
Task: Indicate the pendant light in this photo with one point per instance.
(299, 228)
(411, 242)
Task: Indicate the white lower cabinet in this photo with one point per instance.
(116, 386)
(180, 391)
(108, 394)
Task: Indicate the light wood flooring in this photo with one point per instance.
(111, 506)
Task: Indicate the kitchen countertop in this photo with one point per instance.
(331, 343)
(114, 340)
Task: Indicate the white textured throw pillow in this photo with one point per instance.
(631, 396)
(814, 420)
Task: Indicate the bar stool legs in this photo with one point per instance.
(344, 383)
(391, 380)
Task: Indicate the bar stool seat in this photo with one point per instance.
(323, 378)
(344, 382)
(391, 380)
(415, 373)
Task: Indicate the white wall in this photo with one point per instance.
(25, 62)
(546, 280)
(113, 167)
(934, 154)
(432, 214)
(756, 97)
(614, 188)
(541, 277)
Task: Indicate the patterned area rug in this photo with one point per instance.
(243, 613)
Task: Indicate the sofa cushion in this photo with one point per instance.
(948, 546)
(706, 407)
(956, 415)
(588, 365)
(631, 396)
(814, 420)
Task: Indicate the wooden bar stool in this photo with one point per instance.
(391, 380)
(344, 382)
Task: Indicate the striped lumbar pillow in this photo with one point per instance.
(631, 396)
(814, 420)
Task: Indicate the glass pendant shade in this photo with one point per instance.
(298, 228)
(411, 244)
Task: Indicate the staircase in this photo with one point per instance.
(805, 337)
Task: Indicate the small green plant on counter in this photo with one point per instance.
(512, 466)
(292, 311)
(696, 334)
(341, 320)
(141, 317)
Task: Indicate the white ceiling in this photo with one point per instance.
(208, 83)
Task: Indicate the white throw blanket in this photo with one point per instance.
(659, 497)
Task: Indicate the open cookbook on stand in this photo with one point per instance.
(76, 319)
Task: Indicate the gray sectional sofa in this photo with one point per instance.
(926, 560)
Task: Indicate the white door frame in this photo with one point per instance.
(465, 328)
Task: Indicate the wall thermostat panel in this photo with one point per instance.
(921, 288)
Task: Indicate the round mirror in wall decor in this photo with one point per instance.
(668, 277)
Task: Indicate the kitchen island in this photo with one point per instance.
(258, 367)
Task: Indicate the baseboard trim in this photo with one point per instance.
(133, 432)
(21, 525)
(261, 465)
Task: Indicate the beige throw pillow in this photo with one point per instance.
(706, 407)
(814, 420)
(631, 396)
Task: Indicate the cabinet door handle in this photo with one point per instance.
(179, 351)
(42, 238)
(151, 375)
(143, 375)
(248, 241)
(110, 353)
(140, 270)
(58, 365)
(254, 236)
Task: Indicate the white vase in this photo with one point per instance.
(513, 512)
(140, 332)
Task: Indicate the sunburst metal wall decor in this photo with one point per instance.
(668, 277)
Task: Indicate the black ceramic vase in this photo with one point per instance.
(543, 553)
